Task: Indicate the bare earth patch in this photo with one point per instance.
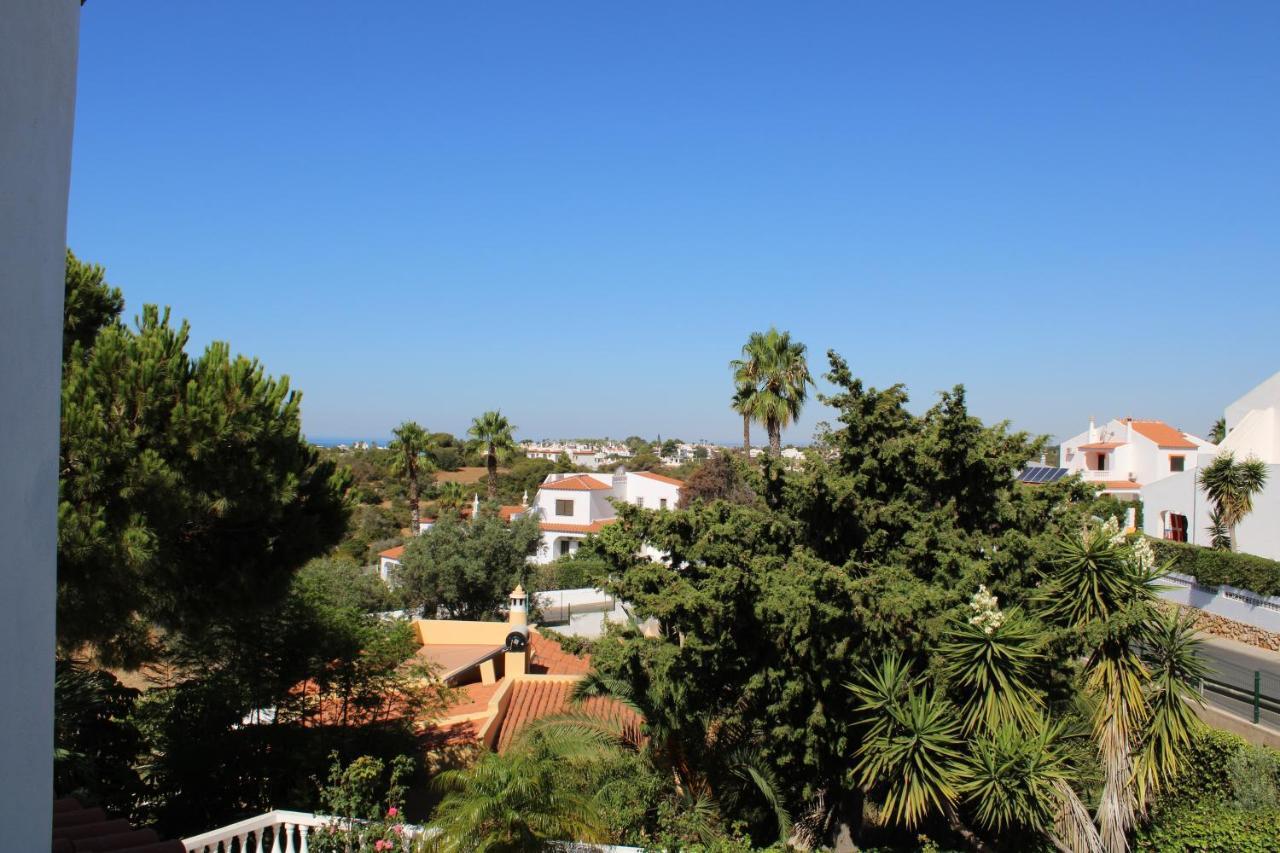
(473, 474)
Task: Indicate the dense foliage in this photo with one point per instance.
(767, 610)
(1214, 567)
(464, 570)
(1226, 798)
(186, 489)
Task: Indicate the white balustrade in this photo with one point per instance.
(290, 832)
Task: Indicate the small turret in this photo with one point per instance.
(516, 658)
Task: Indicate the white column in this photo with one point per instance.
(38, 49)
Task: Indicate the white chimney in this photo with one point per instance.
(475, 506)
(1093, 430)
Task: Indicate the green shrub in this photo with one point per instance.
(1208, 826)
(1213, 568)
(1224, 799)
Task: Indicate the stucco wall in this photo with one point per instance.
(1258, 534)
(38, 46)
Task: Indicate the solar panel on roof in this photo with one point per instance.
(1040, 474)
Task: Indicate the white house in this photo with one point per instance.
(1176, 508)
(1125, 454)
(570, 507)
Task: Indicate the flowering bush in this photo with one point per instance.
(364, 820)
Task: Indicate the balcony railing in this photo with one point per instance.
(1093, 476)
(274, 832)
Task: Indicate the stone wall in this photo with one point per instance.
(1220, 626)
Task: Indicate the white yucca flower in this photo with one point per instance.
(986, 610)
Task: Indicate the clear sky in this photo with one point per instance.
(577, 211)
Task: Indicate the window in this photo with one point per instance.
(1177, 463)
(564, 507)
(662, 503)
(1175, 528)
(640, 501)
(1100, 462)
(564, 546)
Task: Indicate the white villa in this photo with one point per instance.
(570, 507)
(590, 456)
(1125, 454)
(1176, 508)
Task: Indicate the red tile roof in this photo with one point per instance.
(1118, 485)
(533, 699)
(76, 828)
(660, 478)
(577, 483)
(506, 513)
(1161, 433)
(393, 553)
(548, 657)
(1103, 445)
(593, 527)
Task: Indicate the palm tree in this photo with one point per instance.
(1231, 486)
(411, 444)
(453, 496)
(709, 762)
(522, 799)
(741, 403)
(492, 433)
(774, 367)
(1218, 431)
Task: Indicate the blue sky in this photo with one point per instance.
(577, 211)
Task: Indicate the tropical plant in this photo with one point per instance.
(774, 367)
(1218, 431)
(522, 799)
(1231, 485)
(411, 445)
(493, 435)
(452, 497)
(710, 762)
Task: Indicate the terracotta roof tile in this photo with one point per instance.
(1103, 445)
(1118, 485)
(593, 527)
(393, 553)
(549, 657)
(577, 483)
(533, 699)
(1161, 433)
(660, 478)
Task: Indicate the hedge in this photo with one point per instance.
(1200, 810)
(1214, 568)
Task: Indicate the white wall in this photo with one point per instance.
(38, 47)
(651, 490)
(1238, 605)
(1258, 534)
(1263, 396)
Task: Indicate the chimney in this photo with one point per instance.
(524, 502)
(1128, 429)
(516, 659)
(620, 483)
(1093, 430)
(475, 506)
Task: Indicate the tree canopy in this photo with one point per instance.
(465, 569)
(186, 489)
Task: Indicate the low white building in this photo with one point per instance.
(1176, 507)
(571, 507)
(1124, 455)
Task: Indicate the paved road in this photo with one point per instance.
(1235, 664)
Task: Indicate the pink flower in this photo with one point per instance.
(393, 811)
(398, 829)
(381, 844)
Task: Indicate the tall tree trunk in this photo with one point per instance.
(491, 462)
(746, 436)
(414, 516)
(1231, 535)
(775, 438)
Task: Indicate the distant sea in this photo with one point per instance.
(331, 441)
